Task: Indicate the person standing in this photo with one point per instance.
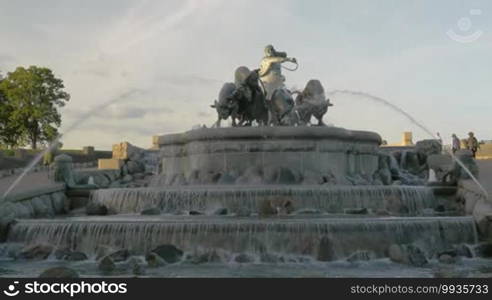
(473, 145)
(456, 145)
(439, 138)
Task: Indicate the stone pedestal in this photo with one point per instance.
(267, 155)
(110, 164)
(63, 170)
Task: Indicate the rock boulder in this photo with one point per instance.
(169, 253)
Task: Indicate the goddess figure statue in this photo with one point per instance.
(271, 70)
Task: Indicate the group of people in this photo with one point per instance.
(471, 144)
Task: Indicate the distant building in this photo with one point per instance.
(407, 141)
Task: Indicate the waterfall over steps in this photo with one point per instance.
(397, 200)
(309, 236)
(328, 221)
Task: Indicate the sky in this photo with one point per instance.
(135, 69)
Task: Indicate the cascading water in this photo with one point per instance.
(290, 236)
(328, 221)
(399, 200)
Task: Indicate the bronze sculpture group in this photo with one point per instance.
(260, 96)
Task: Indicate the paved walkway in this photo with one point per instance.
(30, 181)
(486, 174)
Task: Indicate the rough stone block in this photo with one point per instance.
(441, 164)
(110, 164)
(126, 151)
(481, 213)
(428, 147)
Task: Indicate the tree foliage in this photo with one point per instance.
(32, 97)
(10, 134)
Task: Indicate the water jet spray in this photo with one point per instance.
(72, 127)
(415, 122)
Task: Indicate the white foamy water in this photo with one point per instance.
(409, 200)
(288, 236)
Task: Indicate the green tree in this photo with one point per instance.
(10, 134)
(34, 96)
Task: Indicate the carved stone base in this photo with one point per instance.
(268, 155)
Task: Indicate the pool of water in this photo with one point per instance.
(474, 267)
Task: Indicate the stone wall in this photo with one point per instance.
(39, 168)
(43, 202)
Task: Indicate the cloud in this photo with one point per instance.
(151, 67)
(94, 72)
(183, 80)
(6, 58)
(144, 21)
(120, 111)
(124, 112)
(6, 61)
(202, 114)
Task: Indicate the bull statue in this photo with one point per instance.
(243, 101)
(282, 109)
(226, 106)
(252, 100)
(312, 102)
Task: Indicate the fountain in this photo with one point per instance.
(284, 191)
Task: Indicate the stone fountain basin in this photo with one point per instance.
(252, 154)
